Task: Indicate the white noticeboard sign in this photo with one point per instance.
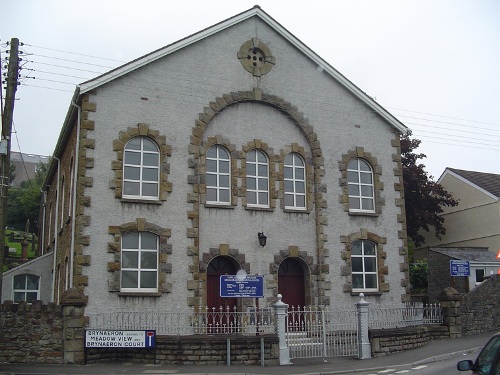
(119, 339)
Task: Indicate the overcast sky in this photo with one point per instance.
(434, 64)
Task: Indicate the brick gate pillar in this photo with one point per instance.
(73, 302)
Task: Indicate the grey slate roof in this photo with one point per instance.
(473, 254)
(487, 181)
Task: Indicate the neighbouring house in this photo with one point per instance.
(475, 221)
(234, 150)
(480, 262)
(26, 166)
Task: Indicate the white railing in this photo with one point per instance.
(433, 314)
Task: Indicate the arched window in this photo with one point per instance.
(26, 288)
(360, 186)
(295, 182)
(139, 262)
(257, 168)
(364, 266)
(218, 178)
(141, 169)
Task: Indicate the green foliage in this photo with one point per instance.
(418, 275)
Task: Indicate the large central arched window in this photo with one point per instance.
(141, 169)
(295, 182)
(218, 169)
(257, 167)
(139, 262)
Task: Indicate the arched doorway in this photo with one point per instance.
(291, 283)
(221, 310)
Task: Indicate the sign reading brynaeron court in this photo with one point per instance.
(96, 338)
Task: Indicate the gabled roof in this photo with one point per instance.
(473, 254)
(256, 11)
(488, 182)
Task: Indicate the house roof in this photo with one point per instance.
(488, 182)
(473, 254)
(256, 11)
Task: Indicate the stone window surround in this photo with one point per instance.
(378, 186)
(382, 269)
(114, 247)
(142, 130)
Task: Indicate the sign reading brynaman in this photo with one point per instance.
(95, 338)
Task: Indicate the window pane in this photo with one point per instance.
(20, 282)
(150, 190)
(261, 157)
(149, 241)
(148, 145)
(150, 174)
(211, 180)
(298, 160)
(357, 264)
(354, 203)
(366, 178)
(130, 279)
(131, 188)
(289, 159)
(369, 248)
(211, 166)
(150, 159)
(224, 195)
(251, 156)
(131, 173)
(251, 197)
(371, 281)
(32, 282)
(357, 281)
(299, 174)
(148, 279)
(212, 152)
(133, 144)
(366, 191)
(367, 204)
(288, 200)
(353, 189)
(301, 201)
(370, 265)
(364, 166)
(250, 169)
(130, 240)
(356, 248)
(289, 186)
(263, 184)
(263, 198)
(352, 177)
(211, 195)
(288, 172)
(133, 158)
(251, 184)
(224, 181)
(224, 167)
(31, 296)
(353, 164)
(148, 260)
(223, 154)
(263, 170)
(19, 296)
(130, 259)
(299, 187)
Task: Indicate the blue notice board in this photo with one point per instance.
(233, 286)
(459, 268)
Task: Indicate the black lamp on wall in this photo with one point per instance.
(262, 239)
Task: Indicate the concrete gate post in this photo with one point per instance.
(364, 346)
(280, 312)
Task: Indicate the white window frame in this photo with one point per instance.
(139, 269)
(71, 176)
(360, 185)
(218, 175)
(25, 290)
(292, 182)
(142, 168)
(363, 272)
(261, 186)
(61, 224)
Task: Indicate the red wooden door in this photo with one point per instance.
(291, 287)
(221, 316)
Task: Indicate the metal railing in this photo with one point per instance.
(409, 315)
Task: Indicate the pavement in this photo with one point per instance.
(436, 350)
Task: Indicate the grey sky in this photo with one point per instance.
(434, 64)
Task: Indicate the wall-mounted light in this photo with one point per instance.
(262, 239)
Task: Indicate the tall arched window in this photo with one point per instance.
(295, 182)
(218, 178)
(141, 169)
(139, 262)
(257, 169)
(364, 266)
(360, 186)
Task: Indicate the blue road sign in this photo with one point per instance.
(233, 286)
(459, 268)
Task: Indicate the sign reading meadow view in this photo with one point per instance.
(119, 339)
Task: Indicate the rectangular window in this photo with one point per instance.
(139, 262)
(364, 266)
(26, 288)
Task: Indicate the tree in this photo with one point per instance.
(424, 198)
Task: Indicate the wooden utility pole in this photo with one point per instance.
(7, 117)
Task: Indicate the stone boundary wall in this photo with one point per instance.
(194, 350)
(31, 333)
(479, 308)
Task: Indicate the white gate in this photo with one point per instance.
(322, 332)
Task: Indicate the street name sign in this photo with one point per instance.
(96, 338)
(235, 286)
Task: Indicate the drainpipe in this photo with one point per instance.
(41, 245)
(73, 209)
(56, 229)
